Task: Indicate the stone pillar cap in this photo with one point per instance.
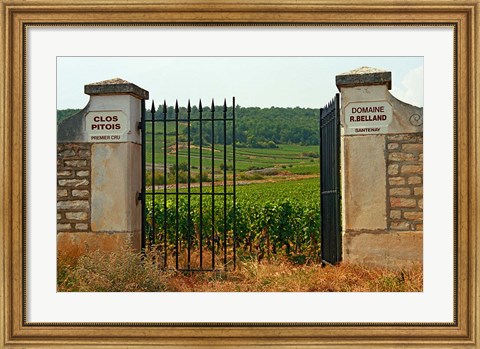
(115, 86)
(364, 76)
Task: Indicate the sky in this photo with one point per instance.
(253, 81)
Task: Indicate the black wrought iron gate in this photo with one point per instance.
(331, 238)
(188, 186)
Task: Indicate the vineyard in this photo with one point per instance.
(292, 158)
(191, 219)
(276, 169)
(269, 241)
(279, 218)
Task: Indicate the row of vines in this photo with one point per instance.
(269, 219)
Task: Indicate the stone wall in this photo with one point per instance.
(405, 182)
(73, 187)
(382, 176)
(99, 173)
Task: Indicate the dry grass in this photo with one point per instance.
(283, 276)
(119, 271)
(125, 271)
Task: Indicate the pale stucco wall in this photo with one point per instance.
(382, 248)
(365, 177)
(116, 179)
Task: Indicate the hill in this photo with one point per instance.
(255, 127)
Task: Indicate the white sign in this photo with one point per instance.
(106, 126)
(367, 117)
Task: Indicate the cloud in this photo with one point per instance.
(410, 90)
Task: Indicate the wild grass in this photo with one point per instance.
(127, 271)
(119, 271)
(281, 275)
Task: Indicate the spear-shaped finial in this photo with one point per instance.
(189, 108)
(152, 109)
(225, 105)
(200, 108)
(213, 105)
(164, 106)
(176, 106)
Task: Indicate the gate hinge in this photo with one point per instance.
(139, 196)
(139, 125)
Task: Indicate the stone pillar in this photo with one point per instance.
(99, 170)
(382, 171)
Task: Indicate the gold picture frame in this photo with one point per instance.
(15, 332)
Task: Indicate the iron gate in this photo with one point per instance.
(331, 239)
(188, 186)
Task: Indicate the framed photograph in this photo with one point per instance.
(402, 272)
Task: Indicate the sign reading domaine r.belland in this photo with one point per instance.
(106, 126)
(367, 117)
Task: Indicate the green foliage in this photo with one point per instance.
(311, 154)
(159, 178)
(255, 127)
(273, 218)
(65, 113)
(267, 127)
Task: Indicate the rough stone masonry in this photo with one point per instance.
(73, 187)
(405, 182)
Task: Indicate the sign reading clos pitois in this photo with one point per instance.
(368, 117)
(106, 126)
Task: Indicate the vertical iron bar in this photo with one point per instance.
(200, 110)
(330, 150)
(331, 144)
(144, 152)
(189, 239)
(320, 163)
(165, 242)
(152, 111)
(320, 142)
(176, 184)
(225, 184)
(327, 201)
(234, 189)
(329, 187)
(337, 176)
(213, 183)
